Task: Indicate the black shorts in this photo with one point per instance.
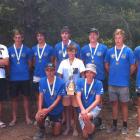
(55, 118)
(3, 89)
(19, 87)
(35, 87)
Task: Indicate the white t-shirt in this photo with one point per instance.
(3, 55)
(66, 69)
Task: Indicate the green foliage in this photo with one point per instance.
(79, 15)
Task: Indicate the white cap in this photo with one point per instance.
(91, 67)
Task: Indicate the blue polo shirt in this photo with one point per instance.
(137, 58)
(97, 89)
(58, 52)
(39, 69)
(98, 59)
(59, 90)
(119, 74)
(19, 72)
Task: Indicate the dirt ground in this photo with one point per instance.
(25, 132)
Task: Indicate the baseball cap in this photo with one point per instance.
(65, 29)
(50, 65)
(94, 30)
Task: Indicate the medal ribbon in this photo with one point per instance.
(64, 52)
(40, 55)
(118, 57)
(93, 54)
(85, 88)
(18, 56)
(51, 91)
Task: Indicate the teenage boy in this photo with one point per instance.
(137, 57)
(42, 55)
(88, 93)
(119, 65)
(20, 57)
(61, 47)
(95, 52)
(70, 70)
(4, 61)
(51, 90)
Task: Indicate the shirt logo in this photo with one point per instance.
(88, 54)
(45, 54)
(99, 53)
(113, 56)
(123, 56)
(60, 52)
(23, 55)
(12, 55)
(44, 90)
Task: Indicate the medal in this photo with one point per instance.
(92, 61)
(40, 61)
(51, 91)
(93, 54)
(40, 54)
(64, 52)
(117, 58)
(18, 55)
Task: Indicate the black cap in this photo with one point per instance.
(94, 30)
(50, 65)
(65, 29)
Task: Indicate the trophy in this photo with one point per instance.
(71, 87)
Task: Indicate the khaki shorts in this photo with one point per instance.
(118, 93)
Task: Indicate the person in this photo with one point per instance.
(137, 57)
(43, 54)
(88, 94)
(61, 47)
(20, 57)
(51, 90)
(4, 61)
(95, 52)
(70, 70)
(119, 63)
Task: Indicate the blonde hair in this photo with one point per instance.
(120, 32)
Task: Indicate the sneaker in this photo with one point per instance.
(40, 135)
(138, 133)
(112, 129)
(124, 130)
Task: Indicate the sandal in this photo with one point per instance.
(2, 125)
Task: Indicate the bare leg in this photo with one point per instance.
(68, 121)
(57, 129)
(14, 111)
(124, 111)
(26, 109)
(115, 110)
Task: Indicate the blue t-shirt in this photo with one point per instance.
(97, 89)
(137, 58)
(119, 73)
(39, 70)
(98, 59)
(59, 90)
(59, 52)
(19, 71)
